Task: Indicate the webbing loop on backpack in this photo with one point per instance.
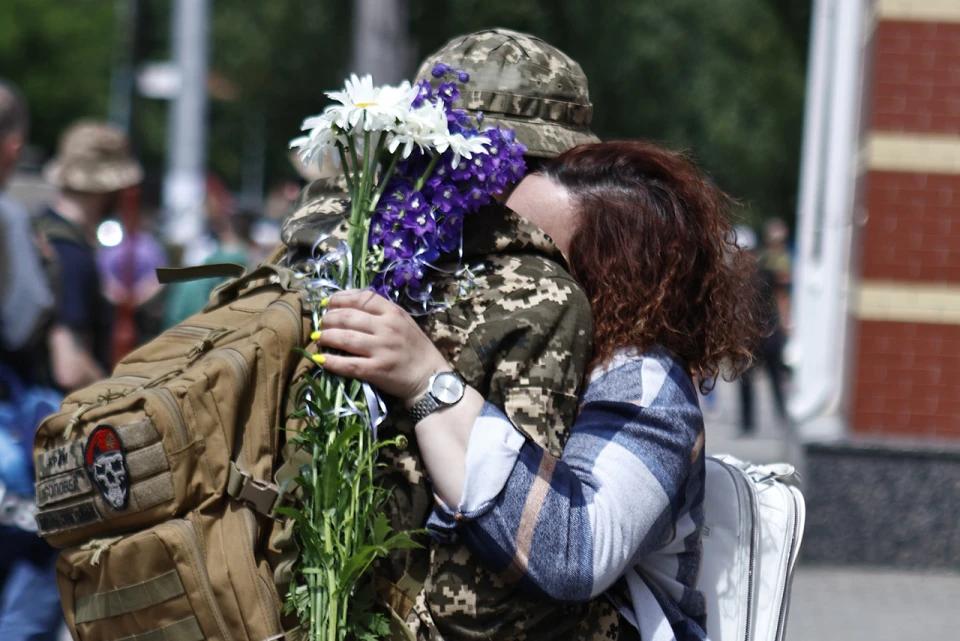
(262, 497)
(131, 598)
(183, 630)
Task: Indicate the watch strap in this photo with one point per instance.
(423, 408)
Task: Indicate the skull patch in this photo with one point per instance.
(106, 464)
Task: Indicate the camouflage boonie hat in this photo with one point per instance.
(520, 81)
(93, 157)
(321, 208)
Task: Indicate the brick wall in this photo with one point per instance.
(908, 380)
(913, 229)
(905, 380)
(916, 82)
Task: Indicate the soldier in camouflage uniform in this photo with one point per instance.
(521, 338)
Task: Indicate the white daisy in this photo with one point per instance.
(464, 147)
(426, 127)
(378, 108)
(320, 144)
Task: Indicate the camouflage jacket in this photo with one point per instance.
(522, 338)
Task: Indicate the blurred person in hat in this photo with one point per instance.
(92, 166)
(521, 340)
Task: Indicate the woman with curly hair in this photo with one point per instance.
(620, 512)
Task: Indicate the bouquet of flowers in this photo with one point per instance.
(414, 166)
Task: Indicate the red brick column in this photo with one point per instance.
(906, 373)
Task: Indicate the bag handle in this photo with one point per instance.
(167, 275)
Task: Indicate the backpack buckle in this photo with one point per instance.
(260, 496)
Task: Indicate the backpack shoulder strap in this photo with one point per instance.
(52, 228)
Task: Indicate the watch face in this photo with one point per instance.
(447, 388)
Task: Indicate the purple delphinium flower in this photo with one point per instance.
(399, 244)
(424, 91)
(448, 92)
(423, 224)
(416, 227)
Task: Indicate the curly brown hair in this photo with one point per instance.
(656, 255)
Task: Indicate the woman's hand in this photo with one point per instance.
(383, 345)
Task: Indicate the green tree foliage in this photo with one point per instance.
(59, 54)
(722, 79)
(281, 57)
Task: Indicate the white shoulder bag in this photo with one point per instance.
(753, 525)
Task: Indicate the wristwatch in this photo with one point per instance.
(443, 390)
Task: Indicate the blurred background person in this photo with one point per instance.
(26, 297)
(92, 166)
(776, 259)
(128, 273)
(29, 602)
(769, 275)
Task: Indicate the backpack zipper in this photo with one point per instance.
(236, 361)
(250, 521)
(127, 379)
(751, 577)
(206, 343)
(785, 598)
(169, 403)
(743, 488)
(190, 331)
(294, 315)
(189, 536)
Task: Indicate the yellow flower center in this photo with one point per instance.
(364, 105)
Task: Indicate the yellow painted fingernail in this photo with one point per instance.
(315, 335)
(319, 359)
(324, 301)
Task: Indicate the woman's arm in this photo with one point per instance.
(387, 348)
(571, 525)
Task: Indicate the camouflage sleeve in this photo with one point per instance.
(528, 356)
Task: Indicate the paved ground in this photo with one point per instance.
(837, 603)
(869, 604)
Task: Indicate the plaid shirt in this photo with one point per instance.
(620, 512)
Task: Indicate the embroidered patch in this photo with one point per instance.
(68, 517)
(106, 463)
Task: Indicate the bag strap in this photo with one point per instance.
(262, 497)
(167, 275)
(277, 254)
(53, 228)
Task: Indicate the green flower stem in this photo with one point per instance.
(353, 157)
(340, 525)
(427, 172)
(351, 187)
(359, 220)
(388, 174)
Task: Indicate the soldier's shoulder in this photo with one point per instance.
(524, 288)
(522, 275)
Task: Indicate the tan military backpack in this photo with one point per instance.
(157, 480)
